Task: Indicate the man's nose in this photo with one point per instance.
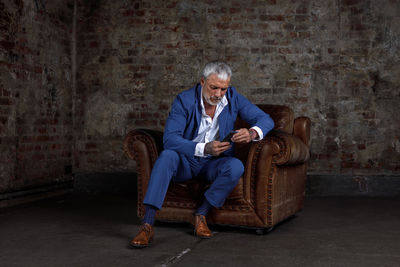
(217, 93)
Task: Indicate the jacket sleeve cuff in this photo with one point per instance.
(199, 150)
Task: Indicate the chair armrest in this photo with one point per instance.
(277, 148)
(143, 146)
(257, 171)
(291, 149)
(301, 129)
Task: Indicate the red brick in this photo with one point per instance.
(351, 2)
(250, 10)
(346, 156)
(133, 115)
(191, 44)
(91, 146)
(284, 50)
(38, 157)
(171, 4)
(66, 154)
(358, 27)
(43, 138)
(347, 146)
(356, 10)
(128, 60)
(236, 26)
(145, 68)
(128, 13)
(295, 84)
(159, 52)
(183, 20)
(5, 101)
(139, 75)
(56, 146)
(172, 45)
(223, 26)
(268, 50)
(4, 92)
(272, 18)
(148, 123)
(234, 10)
(163, 106)
(42, 130)
(28, 139)
(158, 21)
(140, 13)
(304, 34)
(369, 115)
(174, 28)
(21, 148)
(302, 99)
(7, 45)
(133, 68)
(137, 21)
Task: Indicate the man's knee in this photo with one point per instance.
(235, 168)
(169, 156)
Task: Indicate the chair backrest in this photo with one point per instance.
(283, 117)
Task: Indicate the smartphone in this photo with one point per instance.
(228, 137)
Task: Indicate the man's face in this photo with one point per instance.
(214, 89)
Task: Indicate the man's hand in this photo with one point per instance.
(244, 135)
(215, 148)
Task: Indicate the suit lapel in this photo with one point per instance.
(197, 112)
(222, 121)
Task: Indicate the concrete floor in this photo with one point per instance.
(93, 230)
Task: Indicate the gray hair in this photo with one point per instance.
(222, 70)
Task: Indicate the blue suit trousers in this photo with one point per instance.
(223, 173)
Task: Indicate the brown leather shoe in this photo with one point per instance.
(144, 237)
(200, 227)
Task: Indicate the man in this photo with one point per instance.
(199, 120)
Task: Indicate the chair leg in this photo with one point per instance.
(263, 231)
(260, 231)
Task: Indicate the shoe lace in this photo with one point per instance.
(146, 229)
(202, 219)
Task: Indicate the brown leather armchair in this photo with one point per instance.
(271, 189)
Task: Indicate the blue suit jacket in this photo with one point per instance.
(184, 119)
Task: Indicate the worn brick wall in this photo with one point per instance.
(336, 61)
(35, 92)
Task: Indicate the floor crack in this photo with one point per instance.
(176, 258)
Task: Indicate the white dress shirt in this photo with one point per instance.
(209, 127)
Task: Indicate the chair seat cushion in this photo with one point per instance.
(191, 192)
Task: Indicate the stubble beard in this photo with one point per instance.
(212, 100)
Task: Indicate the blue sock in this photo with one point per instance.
(149, 214)
(204, 208)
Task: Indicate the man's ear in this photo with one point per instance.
(202, 82)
